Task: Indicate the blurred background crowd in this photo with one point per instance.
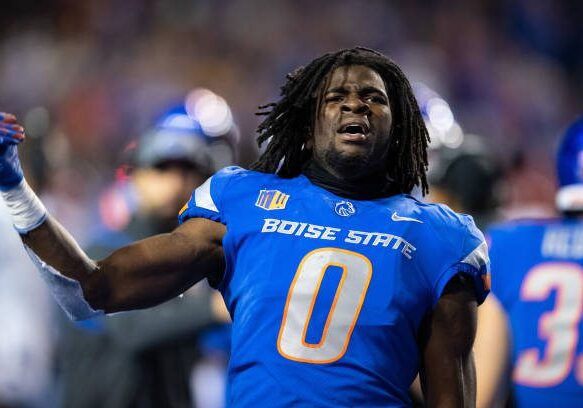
(89, 79)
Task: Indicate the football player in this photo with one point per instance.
(341, 286)
(534, 317)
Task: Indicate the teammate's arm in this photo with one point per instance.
(492, 351)
(448, 376)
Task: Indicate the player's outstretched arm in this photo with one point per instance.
(139, 275)
(448, 375)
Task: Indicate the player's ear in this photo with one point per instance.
(307, 148)
(309, 139)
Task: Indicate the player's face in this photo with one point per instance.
(353, 125)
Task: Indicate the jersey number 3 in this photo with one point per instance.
(559, 327)
(302, 294)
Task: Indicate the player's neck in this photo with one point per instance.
(366, 188)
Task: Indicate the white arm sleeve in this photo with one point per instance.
(66, 291)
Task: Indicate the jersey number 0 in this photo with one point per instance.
(302, 294)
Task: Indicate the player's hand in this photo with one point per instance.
(11, 134)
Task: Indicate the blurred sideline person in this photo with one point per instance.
(533, 335)
(327, 265)
(29, 316)
(462, 173)
(467, 179)
(145, 358)
(28, 332)
(188, 143)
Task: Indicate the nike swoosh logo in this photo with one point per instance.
(398, 218)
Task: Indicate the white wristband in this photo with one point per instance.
(27, 211)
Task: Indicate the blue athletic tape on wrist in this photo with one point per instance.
(10, 170)
(66, 291)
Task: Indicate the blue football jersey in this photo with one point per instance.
(327, 294)
(537, 274)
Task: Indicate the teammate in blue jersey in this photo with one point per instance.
(341, 286)
(534, 318)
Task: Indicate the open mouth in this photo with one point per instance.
(354, 132)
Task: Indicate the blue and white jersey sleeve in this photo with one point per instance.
(459, 247)
(207, 200)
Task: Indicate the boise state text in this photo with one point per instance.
(313, 231)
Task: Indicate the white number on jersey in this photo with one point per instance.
(348, 300)
(559, 327)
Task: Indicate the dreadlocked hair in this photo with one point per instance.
(289, 123)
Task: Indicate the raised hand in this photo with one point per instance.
(11, 134)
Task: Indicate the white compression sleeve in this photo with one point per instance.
(66, 291)
(27, 211)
